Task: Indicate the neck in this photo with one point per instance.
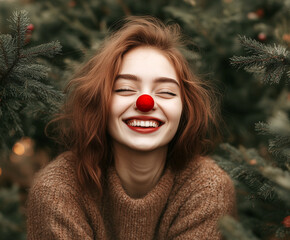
(139, 171)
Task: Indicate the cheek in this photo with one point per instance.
(118, 106)
(113, 114)
(113, 117)
(175, 112)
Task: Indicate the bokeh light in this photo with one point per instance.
(19, 148)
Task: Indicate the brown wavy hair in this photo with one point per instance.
(82, 124)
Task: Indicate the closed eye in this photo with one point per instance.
(124, 90)
(170, 93)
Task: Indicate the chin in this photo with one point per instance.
(145, 148)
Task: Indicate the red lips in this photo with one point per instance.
(144, 129)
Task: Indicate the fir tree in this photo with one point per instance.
(263, 184)
(25, 94)
(269, 61)
(80, 26)
(23, 86)
(11, 221)
(211, 25)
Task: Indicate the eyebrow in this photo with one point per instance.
(157, 80)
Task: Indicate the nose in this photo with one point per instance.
(145, 103)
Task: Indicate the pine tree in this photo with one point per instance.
(25, 95)
(213, 26)
(11, 218)
(263, 184)
(23, 88)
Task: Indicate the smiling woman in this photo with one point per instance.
(138, 126)
(134, 80)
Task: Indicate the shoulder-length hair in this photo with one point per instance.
(83, 122)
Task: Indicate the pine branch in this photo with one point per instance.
(274, 73)
(7, 46)
(10, 205)
(256, 182)
(21, 78)
(30, 71)
(75, 22)
(18, 24)
(47, 50)
(235, 154)
(269, 129)
(44, 93)
(233, 230)
(279, 146)
(279, 176)
(281, 179)
(13, 91)
(12, 48)
(237, 163)
(12, 119)
(6, 43)
(275, 60)
(279, 131)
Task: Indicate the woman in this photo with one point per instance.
(138, 125)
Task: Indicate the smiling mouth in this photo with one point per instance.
(143, 123)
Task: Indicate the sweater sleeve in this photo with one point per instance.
(212, 197)
(54, 212)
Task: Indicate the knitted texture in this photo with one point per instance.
(184, 205)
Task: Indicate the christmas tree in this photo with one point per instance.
(24, 89)
(25, 95)
(261, 177)
(214, 27)
(263, 183)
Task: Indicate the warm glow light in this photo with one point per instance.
(27, 142)
(253, 161)
(18, 149)
(0, 171)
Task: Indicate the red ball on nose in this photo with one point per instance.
(145, 103)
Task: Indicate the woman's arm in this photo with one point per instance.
(54, 212)
(198, 217)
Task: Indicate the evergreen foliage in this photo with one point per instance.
(234, 230)
(272, 61)
(25, 95)
(211, 25)
(265, 183)
(11, 222)
(28, 100)
(23, 85)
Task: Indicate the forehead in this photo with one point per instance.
(147, 62)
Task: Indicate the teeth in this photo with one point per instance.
(141, 123)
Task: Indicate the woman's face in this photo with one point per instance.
(145, 70)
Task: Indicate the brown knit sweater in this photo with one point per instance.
(183, 206)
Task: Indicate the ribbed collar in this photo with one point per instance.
(129, 217)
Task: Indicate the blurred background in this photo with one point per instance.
(214, 27)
